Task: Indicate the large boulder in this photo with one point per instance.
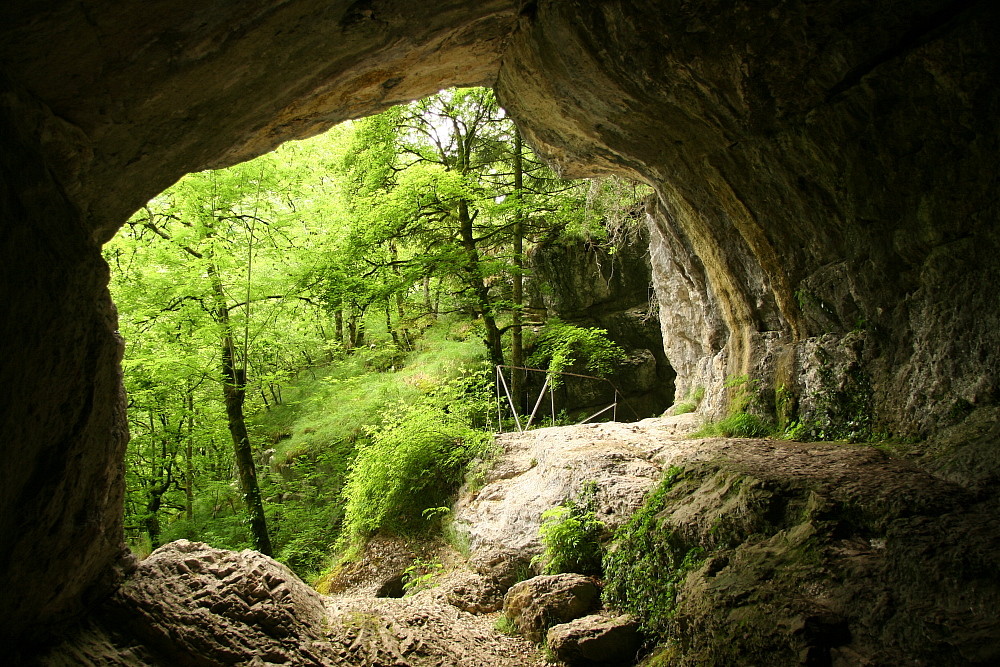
(596, 640)
(535, 605)
(196, 605)
(537, 470)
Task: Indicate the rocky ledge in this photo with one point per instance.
(729, 551)
(754, 551)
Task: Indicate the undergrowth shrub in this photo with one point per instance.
(305, 512)
(649, 560)
(560, 345)
(744, 419)
(571, 536)
(414, 461)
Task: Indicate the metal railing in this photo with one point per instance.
(501, 382)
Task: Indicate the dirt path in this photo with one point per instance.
(423, 629)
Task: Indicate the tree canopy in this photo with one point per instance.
(323, 263)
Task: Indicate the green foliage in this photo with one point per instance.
(217, 518)
(737, 425)
(689, 404)
(420, 575)
(504, 625)
(784, 407)
(571, 536)
(305, 511)
(560, 345)
(413, 462)
(743, 419)
(331, 264)
(649, 560)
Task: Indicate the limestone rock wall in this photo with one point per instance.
(62, 411)
(589, 286)
(825, 173)
(819, 171)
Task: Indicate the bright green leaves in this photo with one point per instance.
(413, 462)
(571, 536)
(560, 345)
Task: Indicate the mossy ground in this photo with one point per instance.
(776, 553)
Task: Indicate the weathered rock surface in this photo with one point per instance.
(819, 553)
(802, 551)
(196, 605)
(190, 604)
(825, 179)
(538, 470)
(536, 604)
(799, 185)
(475, 594)
(596, 640)
(589, 286)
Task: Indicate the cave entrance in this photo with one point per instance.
(275, 312)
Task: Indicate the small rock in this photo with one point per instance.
(539, 603)
(596, 640)
(502, 567)
(475, 594)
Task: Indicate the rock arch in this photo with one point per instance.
(826, 191)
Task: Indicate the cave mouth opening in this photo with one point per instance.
(810, 220)
(236, 287)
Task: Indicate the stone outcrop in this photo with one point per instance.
(197, 605)
(538, 470)
(825, 177)
(589, 286)
(801, 187)
(772, 552)
(596, 640)
(536, 604)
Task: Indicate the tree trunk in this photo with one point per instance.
(517, 317)
(234, 395)
(429, 305)
(338, 322)
(189, 458)
(474, 280)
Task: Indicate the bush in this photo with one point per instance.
(414, 461)
(571, 536)
(305, 512)
(560, 345)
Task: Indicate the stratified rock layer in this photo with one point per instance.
(819, 170)
(190, 604)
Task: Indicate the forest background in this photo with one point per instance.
(312, 335)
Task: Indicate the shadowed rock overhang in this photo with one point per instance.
(825, 219)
